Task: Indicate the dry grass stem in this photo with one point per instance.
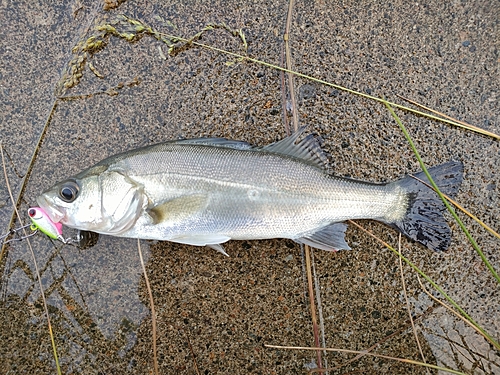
(192, 354)
(288, 55)
(52, 340)
(151, 302)
(403, 360)
(465, 124)
(320, 307)
(408, 303)
(449, 308)
(311, 302)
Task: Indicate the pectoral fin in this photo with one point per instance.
(211, 240)
(178, 209)
(330, 238)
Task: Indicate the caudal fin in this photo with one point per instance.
(424, 221)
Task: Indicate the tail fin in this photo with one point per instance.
(424, 221)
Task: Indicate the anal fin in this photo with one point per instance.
(330, 238)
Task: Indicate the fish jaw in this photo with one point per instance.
(56, 215)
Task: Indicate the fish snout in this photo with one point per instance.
(54, 214)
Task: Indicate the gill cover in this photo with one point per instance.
(122, 201)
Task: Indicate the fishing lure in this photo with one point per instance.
(41, 221)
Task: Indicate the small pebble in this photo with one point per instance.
(307, 92)
(334, 93)
(466, 43)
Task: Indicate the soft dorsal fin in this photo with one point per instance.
(219, 142)
(308, 149)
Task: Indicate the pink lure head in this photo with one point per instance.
(41, 221)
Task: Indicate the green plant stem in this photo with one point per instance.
(52, 340)
(404, 360)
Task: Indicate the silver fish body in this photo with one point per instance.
(208, 191)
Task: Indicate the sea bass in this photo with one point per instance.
(207, 191)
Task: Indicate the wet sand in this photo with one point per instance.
(215, 314)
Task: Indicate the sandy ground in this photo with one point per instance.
(215, 314)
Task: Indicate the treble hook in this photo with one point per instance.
(17, 234)
(40, 221)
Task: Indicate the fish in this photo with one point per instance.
(207, 191)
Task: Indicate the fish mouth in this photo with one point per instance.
(54, 214)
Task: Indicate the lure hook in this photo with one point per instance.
(17, 234)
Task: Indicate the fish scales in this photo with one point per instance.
(278, 192)
(207, 191)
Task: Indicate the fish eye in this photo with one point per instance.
(69, 191)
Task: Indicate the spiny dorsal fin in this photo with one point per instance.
(308, 149)
(219, 142)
